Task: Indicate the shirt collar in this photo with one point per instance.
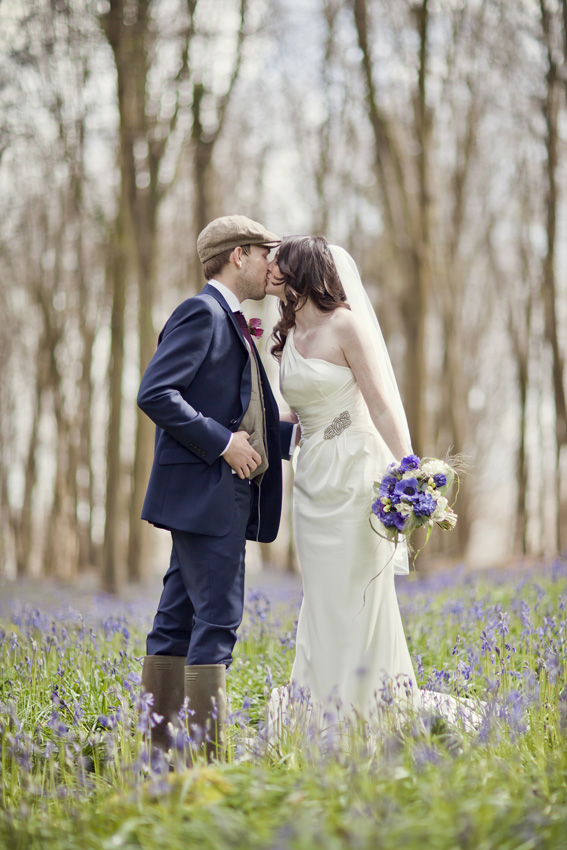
(227, 294)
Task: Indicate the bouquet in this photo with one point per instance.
(412, 494)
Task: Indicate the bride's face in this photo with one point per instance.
(274, 280)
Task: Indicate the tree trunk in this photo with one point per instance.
(131, 46)
(23, 526)
(117, 274)
(408, 226)
(139, 543)
(549, 293)
(85, 488)
(126, 34)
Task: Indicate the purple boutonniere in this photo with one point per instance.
(255, 327)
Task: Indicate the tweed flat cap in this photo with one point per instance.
(232, 230)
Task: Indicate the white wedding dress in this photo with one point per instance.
(350, 646)
(352, 658)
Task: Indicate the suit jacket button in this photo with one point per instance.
(233, 421)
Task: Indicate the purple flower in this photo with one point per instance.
(409, 462)
(440, 479)
(388, 516)
(387, 485)
(406, 488)
(424, 504)
(399, 521)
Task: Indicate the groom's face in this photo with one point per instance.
(253, 273)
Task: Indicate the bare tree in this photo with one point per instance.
(554, 97)
(50, 263)
(407, 216)
(146, 131)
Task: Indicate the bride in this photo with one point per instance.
(336, 375)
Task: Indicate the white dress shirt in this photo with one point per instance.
(235, 305)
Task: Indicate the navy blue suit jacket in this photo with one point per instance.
(196, 389)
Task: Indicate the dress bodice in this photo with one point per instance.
(320, 392)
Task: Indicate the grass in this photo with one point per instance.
(76, 770)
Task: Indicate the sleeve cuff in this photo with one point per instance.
(226, 448)
(293, 439)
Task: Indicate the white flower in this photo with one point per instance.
(435, 467)
(404, 508)
(439, 512)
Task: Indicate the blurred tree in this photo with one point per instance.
(209, 109)
(406, 214)
(60, 305)
(554, 37)
(149, 120)
(427, 165)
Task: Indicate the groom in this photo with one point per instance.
(216, 476)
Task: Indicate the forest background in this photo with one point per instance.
(428, 137)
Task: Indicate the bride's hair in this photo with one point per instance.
(308, 270)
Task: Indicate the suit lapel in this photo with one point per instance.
(268, 394)
(246, 380)
(211, 290)
(246, 377)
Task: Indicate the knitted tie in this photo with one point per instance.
(241, 319)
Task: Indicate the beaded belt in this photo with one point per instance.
(337, 426)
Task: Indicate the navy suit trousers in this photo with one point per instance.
(202, 601)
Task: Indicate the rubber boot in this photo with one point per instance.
(162, 676)
(205, 688)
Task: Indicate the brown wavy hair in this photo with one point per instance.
(307, 271)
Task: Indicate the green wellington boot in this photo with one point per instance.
(162, 676)
(205, 687)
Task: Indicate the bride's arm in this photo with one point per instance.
(289, 417)
(296, 432)
(359, 353)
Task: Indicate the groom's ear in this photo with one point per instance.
(236, 257)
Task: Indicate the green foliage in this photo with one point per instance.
(76, 771)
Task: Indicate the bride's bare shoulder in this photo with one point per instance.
(346, 325)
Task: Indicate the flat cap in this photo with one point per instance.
(232, 230)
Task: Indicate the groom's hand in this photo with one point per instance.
(241, 456)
